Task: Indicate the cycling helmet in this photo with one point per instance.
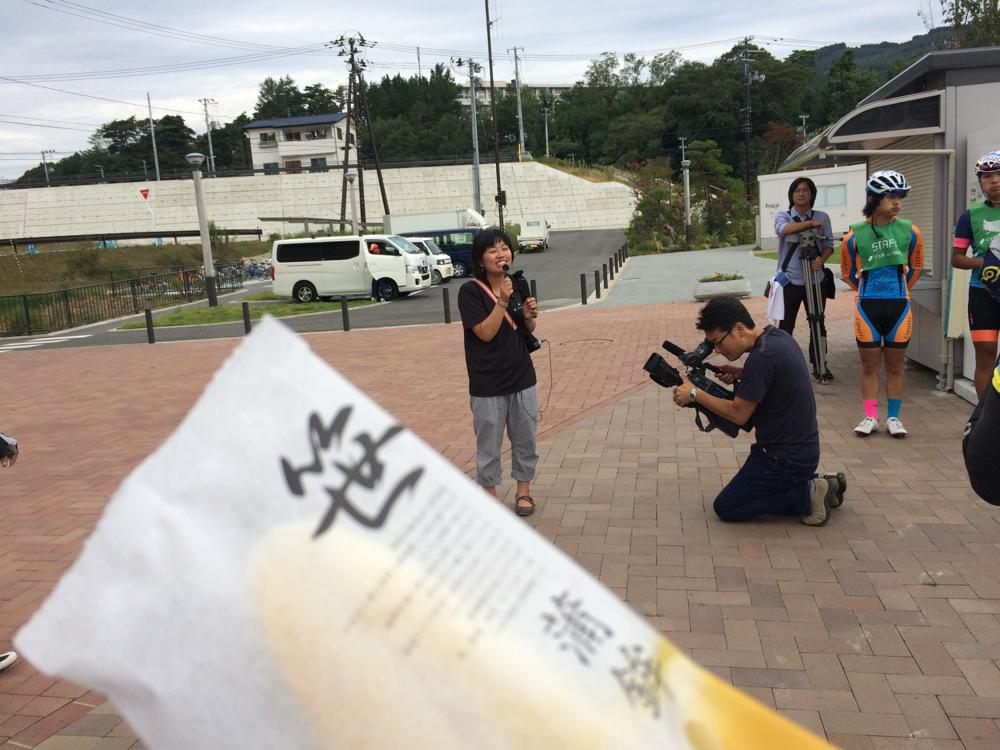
(887, 182)
(988, 163)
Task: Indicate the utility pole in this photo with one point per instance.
(145, 172)
(501, 198)
(420, 70)
(152, 138)
(208, 129)
(802, 129)
(345, 162)
(474, 67)
(350, 47)
(749, 78)
(45, 164)
(517, 87)
(685, 164)
(545, 113)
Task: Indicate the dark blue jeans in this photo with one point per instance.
(767, 485)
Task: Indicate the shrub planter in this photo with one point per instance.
(733, 288)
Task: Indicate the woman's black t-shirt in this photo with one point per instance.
(496, 367)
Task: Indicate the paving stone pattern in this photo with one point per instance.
(878, 631)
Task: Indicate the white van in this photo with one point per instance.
(383, 266)
(441, 268)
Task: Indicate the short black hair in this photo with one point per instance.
(722, 313)
(795, 186)
(871, 203)
(482, 242)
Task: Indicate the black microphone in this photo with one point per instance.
(505, 267)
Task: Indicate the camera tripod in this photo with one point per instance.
(809, 250)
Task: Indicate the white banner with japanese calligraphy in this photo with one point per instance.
(299, 571)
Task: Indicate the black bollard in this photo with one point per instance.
(149, 326)
(343, 312)
(246, 317)
(604, 274)
(447, 306)
(583, 288)
(611, 268)
(597, 283)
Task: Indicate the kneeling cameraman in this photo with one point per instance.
(774, 389)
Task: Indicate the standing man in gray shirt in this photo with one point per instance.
(787, 225)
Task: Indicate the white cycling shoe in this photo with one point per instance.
(895, 427)
(867, 426)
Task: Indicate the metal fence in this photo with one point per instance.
(44, 312)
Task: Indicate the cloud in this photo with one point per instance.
(40, 41)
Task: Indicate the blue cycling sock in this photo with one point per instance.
(895, 404)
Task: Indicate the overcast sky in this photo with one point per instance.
(47, 42)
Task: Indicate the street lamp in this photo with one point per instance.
(351, 177)
(687, 200)
(196, 160)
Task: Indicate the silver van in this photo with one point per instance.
(380, 266)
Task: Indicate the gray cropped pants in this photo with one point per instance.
(519, 412)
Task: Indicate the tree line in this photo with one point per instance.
(626, 112)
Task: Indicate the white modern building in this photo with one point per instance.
(290, 145)
(840, 192)
(931, 122)
(553, 91)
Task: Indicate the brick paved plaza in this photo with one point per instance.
(878, 631)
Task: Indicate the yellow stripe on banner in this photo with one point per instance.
(996, 379)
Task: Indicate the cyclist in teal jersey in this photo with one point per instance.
(976, 229)
(882, 258)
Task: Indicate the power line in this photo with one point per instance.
(100, 98)
(167, 68)
(39, 125)
(43, 119)
(125, 22)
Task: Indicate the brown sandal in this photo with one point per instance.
(524, 510)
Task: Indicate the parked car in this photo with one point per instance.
(457, 243)
(383, 266)
(442, 269)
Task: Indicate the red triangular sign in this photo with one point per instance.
(144, 192)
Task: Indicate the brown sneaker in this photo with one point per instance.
(821, 493)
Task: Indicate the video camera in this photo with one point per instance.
(662, 373)
(522, 290)
(809, 244)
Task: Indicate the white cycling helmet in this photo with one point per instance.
(988, 163)
(887, 182)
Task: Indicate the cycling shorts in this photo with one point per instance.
(883, 322)
(984, 315)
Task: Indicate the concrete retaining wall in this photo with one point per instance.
(567, 202)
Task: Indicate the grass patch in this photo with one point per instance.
(588, 173)
(721, 277)
(833, 260)
(230, 313)
(263, 297)
(79, 264)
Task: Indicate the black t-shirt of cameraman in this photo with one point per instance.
(774, 390)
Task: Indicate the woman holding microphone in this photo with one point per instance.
(501, 375)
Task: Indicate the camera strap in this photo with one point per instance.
(493, 297)
(793, 247)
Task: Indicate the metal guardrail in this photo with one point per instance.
(185, 174)
(44, 312)
(104, 237)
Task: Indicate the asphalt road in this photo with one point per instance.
(555, 272)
